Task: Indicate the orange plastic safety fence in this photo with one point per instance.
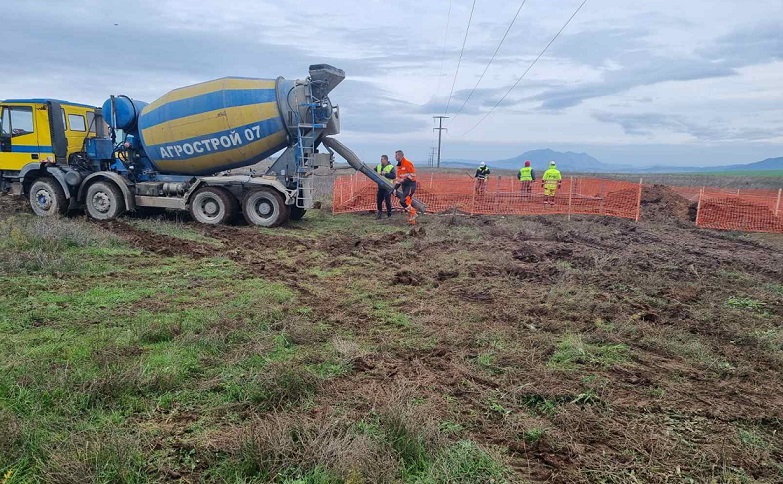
(500, 196)
(745, 210)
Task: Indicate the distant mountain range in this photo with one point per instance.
(584, 163)
(770, 164)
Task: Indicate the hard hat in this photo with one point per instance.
(552, 163)
(483, 164)
(527, 163)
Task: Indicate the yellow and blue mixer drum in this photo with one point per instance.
(208, 127)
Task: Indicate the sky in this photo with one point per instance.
(692, 83)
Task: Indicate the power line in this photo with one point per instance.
(490, 62)
(528, 69)
(443, 55)
(459, 61)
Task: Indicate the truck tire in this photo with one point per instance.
(213, 206)
(47, 197)
(264, 207)
(103, 201)
(296, 213)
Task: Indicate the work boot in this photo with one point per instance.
(412, 214)
(380, 214)
(388, 215)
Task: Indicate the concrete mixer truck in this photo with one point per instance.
(173, 153)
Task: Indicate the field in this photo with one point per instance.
(341, 349)
(766, 179)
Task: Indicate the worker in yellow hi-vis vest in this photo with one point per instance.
(526, 176)
(386, 170)
(551, 181)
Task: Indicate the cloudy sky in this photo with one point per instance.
(695, 82)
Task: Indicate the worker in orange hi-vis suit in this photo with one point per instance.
(406, 181)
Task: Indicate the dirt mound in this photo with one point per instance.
(661, 204)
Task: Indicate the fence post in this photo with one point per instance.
(603, 197)
(698, 206)
(473, 202)
(570, 196)
(352, 179)
(639, 201)
(777, 204)
(431, 175)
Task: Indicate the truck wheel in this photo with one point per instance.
(264, 207)
(213, 206)
(104, 201)
(296, 213)
(47, 197)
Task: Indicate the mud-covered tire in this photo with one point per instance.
(104, 201)
(264, 207)
(47, 197)
(296, 213)
(213, 206)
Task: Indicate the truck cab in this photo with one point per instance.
(42, 130)
(39, 141)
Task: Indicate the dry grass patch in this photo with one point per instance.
(281, 446)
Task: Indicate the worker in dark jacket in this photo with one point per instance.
(386, 170)
(481, 176)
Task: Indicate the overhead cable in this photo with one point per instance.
(490, 61)
(459, 61)
(527, 70)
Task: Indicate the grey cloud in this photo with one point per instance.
(763, 43)
(715, 130)
(596, 47)
(482, 97)
(640, 68)
(146, 57)
(370, 109)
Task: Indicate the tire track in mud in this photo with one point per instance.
(251, 251)
(257, 253)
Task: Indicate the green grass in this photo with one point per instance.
(34, 246)
(744, 303)
(533, 435)
(752, 440)
(751, 173)
(463, 462)
(572, 352)
(97, 361)
(81, 356)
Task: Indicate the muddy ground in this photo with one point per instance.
(596, 349)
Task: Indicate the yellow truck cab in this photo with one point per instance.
(39, 134)
(28, 130)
